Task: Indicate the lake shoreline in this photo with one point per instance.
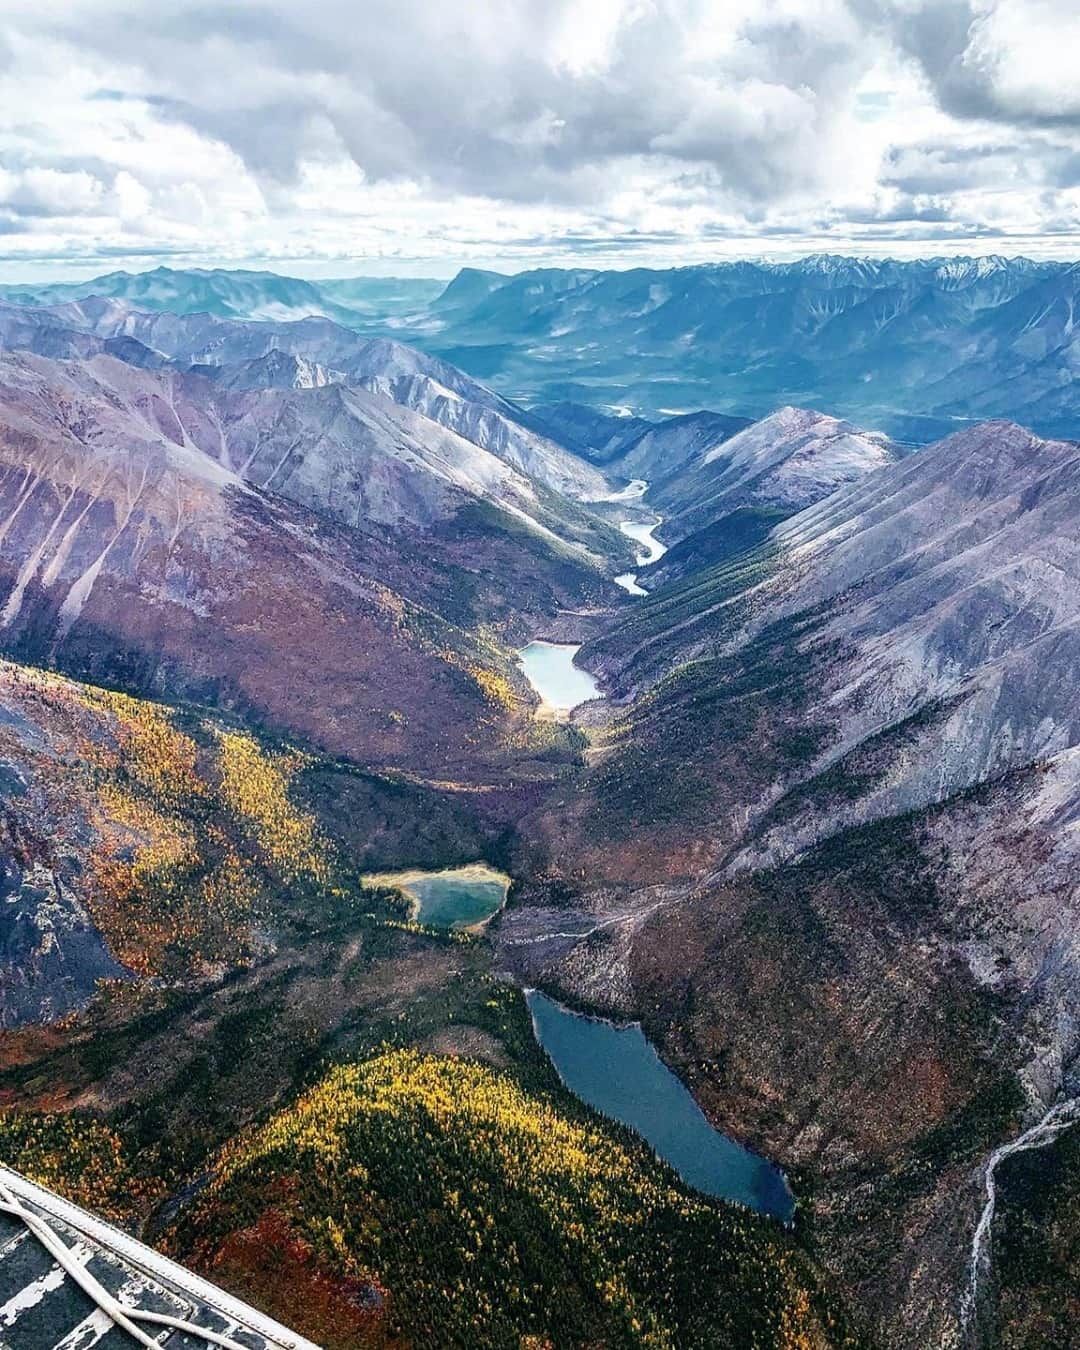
(560, 683)
(477, 888)
(706, 1159)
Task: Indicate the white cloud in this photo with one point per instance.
(51, 192)
(1023, 54)
(506, 128)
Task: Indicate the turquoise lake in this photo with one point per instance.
(458, 897)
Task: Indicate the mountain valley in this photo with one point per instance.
(825, 853)
(269, 589)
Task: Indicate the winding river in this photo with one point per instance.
(652, 550)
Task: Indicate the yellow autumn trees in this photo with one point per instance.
(255, 788)
(77, 1157)
(189, 835)
(495, 1215)
(193, 833)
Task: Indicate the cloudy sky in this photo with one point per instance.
(411, 136)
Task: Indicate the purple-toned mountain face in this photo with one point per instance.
(303, 353)
(829, 855)
(143, 544)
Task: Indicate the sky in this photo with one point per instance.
(412, 137)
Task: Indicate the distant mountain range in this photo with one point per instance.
(912, 348)
(229, 293)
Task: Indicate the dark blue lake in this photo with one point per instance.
(616, 1071)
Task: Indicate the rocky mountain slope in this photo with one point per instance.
(829, 851)
(596, 433)
(134, 847)
(424, 459)
(131, 554)
(257, 355)
(664, 449)
(636, 447)
(719, 485)
(350, 453)
(788, 460)
(913, 347)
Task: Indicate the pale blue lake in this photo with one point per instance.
(549, 668)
